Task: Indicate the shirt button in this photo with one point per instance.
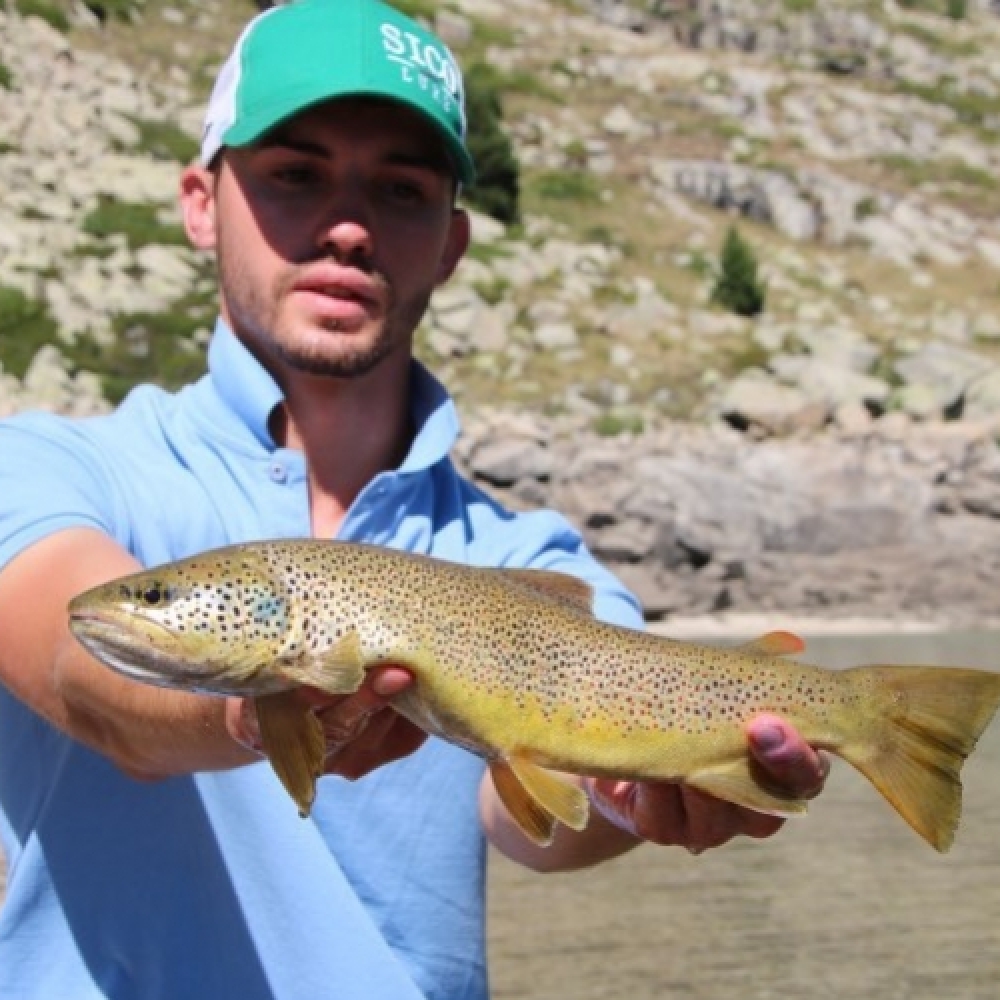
(278, 472)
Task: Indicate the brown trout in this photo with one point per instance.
(512, 665)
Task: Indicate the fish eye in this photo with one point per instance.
(156, 594)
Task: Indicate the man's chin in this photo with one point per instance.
(334, 360)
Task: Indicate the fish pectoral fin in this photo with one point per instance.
(775, 644)
(536, 798)
(338, 670)
(533, 820)
(734, 782)
(292, 738)
(557, 794)
(552, 583)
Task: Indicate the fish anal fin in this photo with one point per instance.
(292, 738)
(533, 819)
(552, 583)
(734, 782)
(775, 644)
(338, 670)
(557, 795)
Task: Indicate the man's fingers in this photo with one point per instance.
(241, 723)
(711, 823)
(786, 758)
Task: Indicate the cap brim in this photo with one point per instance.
(253, 126)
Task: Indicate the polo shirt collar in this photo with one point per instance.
(250, 392)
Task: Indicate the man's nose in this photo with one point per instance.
(346, 235)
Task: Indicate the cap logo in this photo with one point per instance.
(426, 66)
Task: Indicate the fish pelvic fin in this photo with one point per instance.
(775, 644)
(293, 740)
(338, 670)
(552, 583)
(936, 717)
(735, 781)
(536, 799)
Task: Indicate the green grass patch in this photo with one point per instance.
(917, 172)
(139, 224)
(515, 81)
(165, 141)
(866, 208)
(614, 424)
(150, 347)
(485, 34)
(566, 185)
(971, 109)
(799, 6)
(25, 326)
(51, 13)
(493, 292)
(6, 79)
(126, 11)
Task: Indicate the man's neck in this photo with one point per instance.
(349, 431)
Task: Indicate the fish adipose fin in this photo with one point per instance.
(292, 738)
(551, 583)
(775, 644)
(734, 782)
(914, 760)
(339, 670)
(536, 798)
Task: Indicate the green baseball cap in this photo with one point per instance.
(301, 53)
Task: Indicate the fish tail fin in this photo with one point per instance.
(935, 717)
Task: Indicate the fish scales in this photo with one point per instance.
(512, 665)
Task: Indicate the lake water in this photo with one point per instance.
(846, 904)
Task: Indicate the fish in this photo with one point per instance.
(512, 665)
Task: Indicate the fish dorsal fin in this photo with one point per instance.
(552, 583)
(292, 738)
(536, 798)
(733, 781)
(338, 670)
(775, 644)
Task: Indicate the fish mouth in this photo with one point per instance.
(136, 647)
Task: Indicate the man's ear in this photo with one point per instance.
(197, 201)
(459, 234)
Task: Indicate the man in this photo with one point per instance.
(152, 853)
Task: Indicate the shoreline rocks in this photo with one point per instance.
(704, 519)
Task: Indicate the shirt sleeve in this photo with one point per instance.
(51, 479)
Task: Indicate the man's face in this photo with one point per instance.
(331, 234)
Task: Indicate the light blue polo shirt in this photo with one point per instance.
(211, 886)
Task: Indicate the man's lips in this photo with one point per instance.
(339, 294)
(340, 283)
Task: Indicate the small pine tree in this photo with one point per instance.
(737, 286)
(497, 188)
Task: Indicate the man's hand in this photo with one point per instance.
(665, 813)
(362, 731)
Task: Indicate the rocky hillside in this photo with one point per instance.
(855, 145)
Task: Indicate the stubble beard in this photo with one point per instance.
(340, 355)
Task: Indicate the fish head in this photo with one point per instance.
(216, 623)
